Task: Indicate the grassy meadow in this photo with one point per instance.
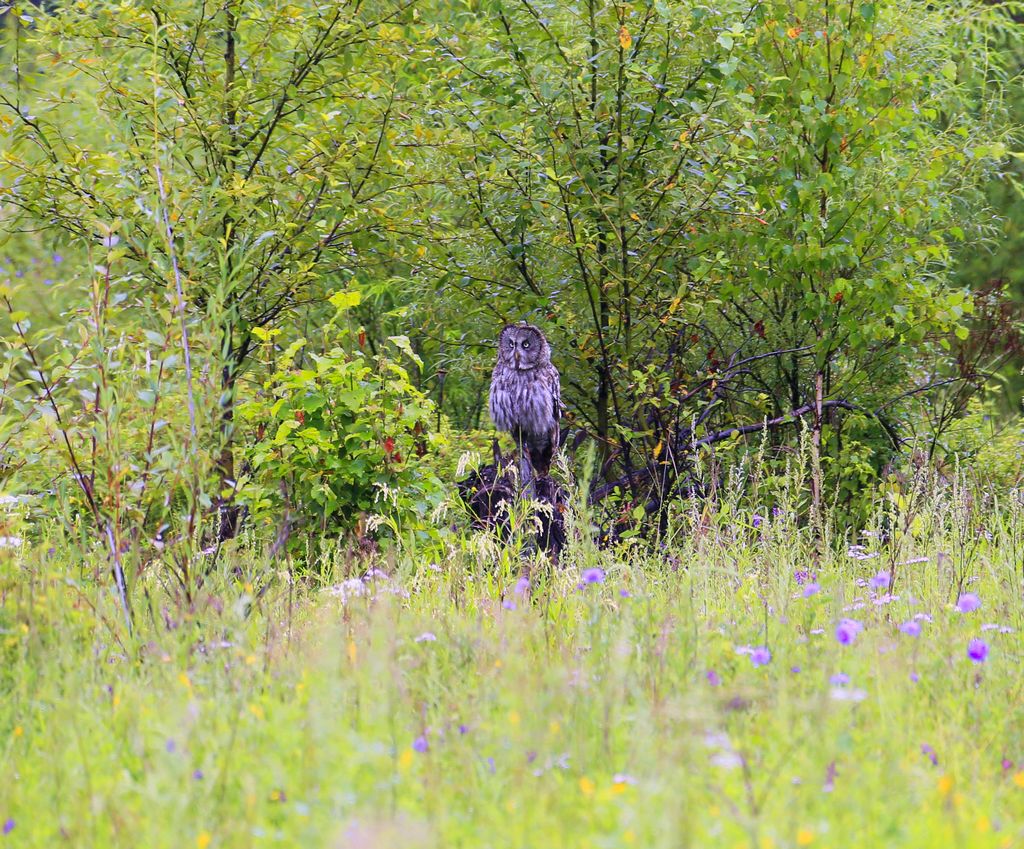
(744, 687)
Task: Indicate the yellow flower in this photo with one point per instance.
(1018, 779)
(351, 652)
(203, 840)
(804, 837)
(405, 759)
(586, 786)
(18, 730)
(946, 785)
(983, 826)
(513, 717)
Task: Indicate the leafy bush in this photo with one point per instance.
(337, 435)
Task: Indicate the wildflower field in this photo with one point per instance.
(746, 687)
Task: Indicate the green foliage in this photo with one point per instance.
(866, 156)
(719, 214)
(93, 396)
(339, 435)
(236, 153)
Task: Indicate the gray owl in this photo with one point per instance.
(526, 400)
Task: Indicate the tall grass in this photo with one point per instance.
(623, 698)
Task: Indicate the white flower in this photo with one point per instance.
(844, 694)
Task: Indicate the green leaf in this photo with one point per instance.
(283, 430)
(345, 300)
(403, 344)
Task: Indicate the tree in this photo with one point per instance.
(236, 153)
(869, 157)
(723, 214)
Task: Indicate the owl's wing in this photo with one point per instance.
(556, 392)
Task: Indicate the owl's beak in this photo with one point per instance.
(517, 359)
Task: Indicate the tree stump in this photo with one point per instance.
(486, 490)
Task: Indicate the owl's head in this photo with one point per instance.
(522, 346)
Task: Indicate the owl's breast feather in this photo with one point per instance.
(522, 401)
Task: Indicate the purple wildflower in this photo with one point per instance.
(840, 679)
(420, 744)
(522, 586)
(811, 589)
(760, 656)
(198, 775)
(426, 637)
(929, 752)
(914, 677)
(879, 581)
(171, 746)
(1006, 764)
(713, 678)
(776, 512)
(57, 259)
(625, 593)
(593, 575)
(508, 604)
(847, 631)
(967, 603)
(911, 628)
(830, 778)
(795, 670)
(803, 576)
(463, 729)
(977, 650)
(758, 520)
(8, 826)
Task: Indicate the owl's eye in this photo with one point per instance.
(526, 345)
